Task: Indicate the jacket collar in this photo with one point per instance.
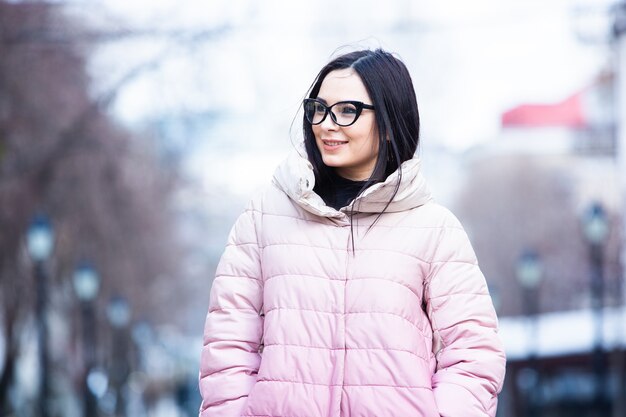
(295, 177)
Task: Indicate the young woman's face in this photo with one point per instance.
(351, 150)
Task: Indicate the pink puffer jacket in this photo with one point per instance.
(299, 325)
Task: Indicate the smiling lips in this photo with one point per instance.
(333, 144)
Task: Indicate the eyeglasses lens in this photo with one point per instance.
(344, 113)
(314, 112)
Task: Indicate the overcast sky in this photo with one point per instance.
(470, 61)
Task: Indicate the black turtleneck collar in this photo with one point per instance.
(339, 191)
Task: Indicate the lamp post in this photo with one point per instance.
(596, 230)
(86, 285)
(40, 242)
(529, 271)
(118, 313)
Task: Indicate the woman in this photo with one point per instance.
(344, 290)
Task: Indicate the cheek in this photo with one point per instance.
(369, 134)
(370, 137)
(316, 131)
(373, 135)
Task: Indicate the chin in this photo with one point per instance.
(331, 162)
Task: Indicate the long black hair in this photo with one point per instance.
(390, 87)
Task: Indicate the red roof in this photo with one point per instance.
(567, 113)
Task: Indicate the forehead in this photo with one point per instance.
(343, 84)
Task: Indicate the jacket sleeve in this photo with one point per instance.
(233, 331)
(470, 356)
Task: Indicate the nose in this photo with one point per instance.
(329, 123)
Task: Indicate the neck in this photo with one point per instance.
(353, 175)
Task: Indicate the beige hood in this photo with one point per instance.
(295, 177)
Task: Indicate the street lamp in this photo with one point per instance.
(496, 297)
(529, 271)
(86, 285)
(596, 230)
(40, 242)
(118, 313)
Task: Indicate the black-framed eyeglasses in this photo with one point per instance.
(344, 113)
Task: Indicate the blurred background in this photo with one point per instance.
(132, 135)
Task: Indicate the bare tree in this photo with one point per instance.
(104, 189)
(515, 203)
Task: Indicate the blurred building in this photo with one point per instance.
(577, 134)
(547, 165)
(556, 354)
(550, 364)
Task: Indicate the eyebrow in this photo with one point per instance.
(326, 102)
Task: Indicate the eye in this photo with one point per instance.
(319, 108)
(347, 109)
